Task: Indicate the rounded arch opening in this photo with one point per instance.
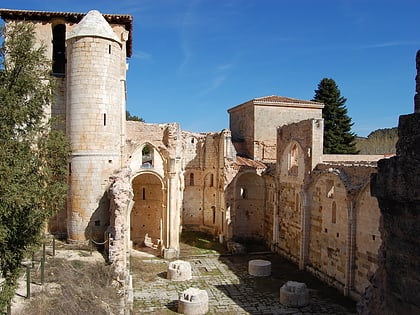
(248, 220)
(147, 217)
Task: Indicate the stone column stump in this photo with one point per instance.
(193, 301)
(179, 270)
(259, 268)
(294, 294)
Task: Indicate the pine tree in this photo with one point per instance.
(338, 138)
(33, 155)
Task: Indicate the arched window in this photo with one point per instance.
(59, 50)
(147, 156)
(294, 160)
(243, 193)
(209, 180)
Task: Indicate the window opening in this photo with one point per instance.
(334, 212)
(104, 119)
(147, 156)
(294, 160)
(297, 202)
(330, 188)
(213, 208)
(59, 50)
(144, 193)
(109, 49)
(243, 193)
(192, 179)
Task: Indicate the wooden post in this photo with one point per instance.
(28, 281)
(43, 263)
(53, 245)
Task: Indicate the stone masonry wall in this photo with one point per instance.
(395, 286)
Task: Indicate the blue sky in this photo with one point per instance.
(194, 59)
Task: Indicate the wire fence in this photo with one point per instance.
(34, 266)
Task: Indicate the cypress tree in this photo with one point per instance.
(338, 138)
(33, 155)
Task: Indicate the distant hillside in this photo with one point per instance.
(381, 141)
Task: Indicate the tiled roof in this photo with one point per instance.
(282, 101)
(243, 161)
(71, 17)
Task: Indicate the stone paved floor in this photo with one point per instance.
(230, 289)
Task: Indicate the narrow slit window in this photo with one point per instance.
(334, 212)
(109, 49)
(192, 179)
(104, 119)
(144, 193)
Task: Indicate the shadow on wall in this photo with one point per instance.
(99, 221)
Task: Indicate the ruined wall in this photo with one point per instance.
(368, 239)
(329, 226)
(201, 200)
(249, 211)
(395, 286)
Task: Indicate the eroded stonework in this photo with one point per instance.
(134, 184)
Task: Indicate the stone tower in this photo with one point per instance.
(95, 121)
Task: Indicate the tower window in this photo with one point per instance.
(59, 50)
(192, 179)
(104, 119)
(109, 49)
(334, 212)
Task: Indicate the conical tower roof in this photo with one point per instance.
(93, 25)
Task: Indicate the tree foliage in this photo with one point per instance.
(381, 141)
(338, 138)
(33, 158)
(128, 116)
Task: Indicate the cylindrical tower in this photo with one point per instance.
(95, 101)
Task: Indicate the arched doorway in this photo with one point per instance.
(249, 206)
(148, 214)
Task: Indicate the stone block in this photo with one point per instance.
(193, 301)
(259, 268)
(294, 294)
(179, 270)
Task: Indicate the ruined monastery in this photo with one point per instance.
(265, 178)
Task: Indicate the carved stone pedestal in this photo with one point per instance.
(193, 301)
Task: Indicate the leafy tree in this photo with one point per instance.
(128, 116)
(381, 141)
(338, 138)
(34, 155)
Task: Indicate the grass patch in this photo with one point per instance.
(197, 243)
(76, 287)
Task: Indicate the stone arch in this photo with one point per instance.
(292, 161)
(148, 214)
(328, 241)
(248, 208)
(367, 238)
(147, 157)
